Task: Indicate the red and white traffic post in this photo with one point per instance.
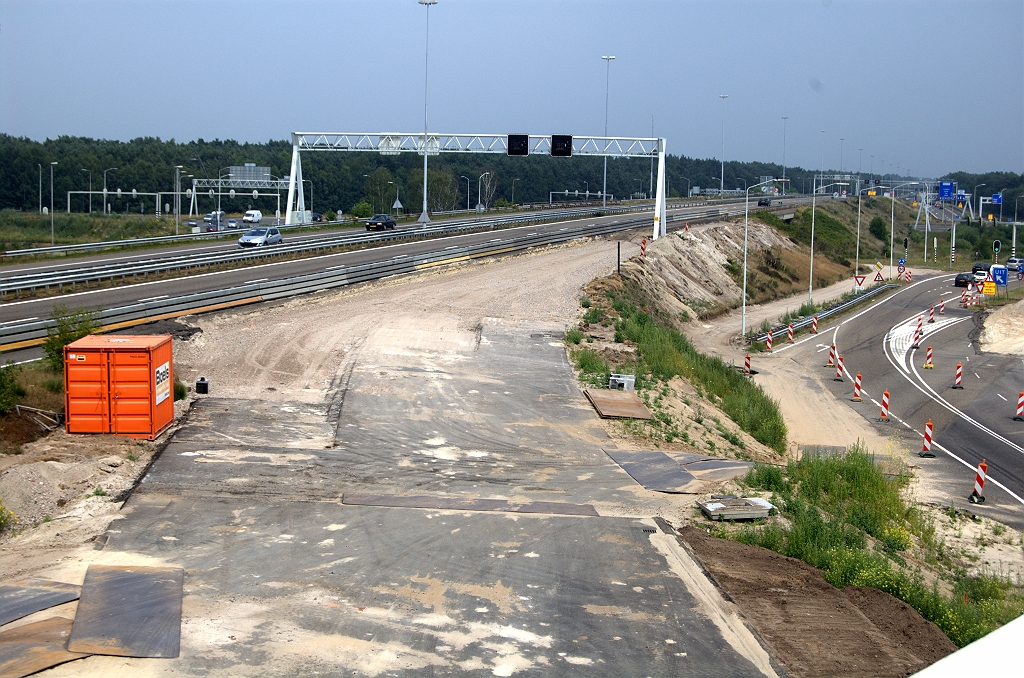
(839, 368)
(978, 495)
(856, 389)
(931, 314)
(643, 247)
(746, 364)
(884, 416)
(789, 333)
(928, 359)
(942, 306)
(959, 376)
(768, 344)
(814, 324)
(926, 447)
(1020, 408)
(831, 356)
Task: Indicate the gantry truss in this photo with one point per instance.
(393, 143)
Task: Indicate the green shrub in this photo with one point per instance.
(53, 384)
(180, 391)
(588, 361)
(573, 335)
(10, 391)
(879, 228)
(585, 301)
(7, 518)
(362, 210)
(768, 477)
(68, 326)
(593, 315)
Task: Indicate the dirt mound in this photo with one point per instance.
(1004, 330)
(811, 627)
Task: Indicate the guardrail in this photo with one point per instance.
(825, 313)
(29, 283)
(23, 335)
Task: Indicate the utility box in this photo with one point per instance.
(119, 384)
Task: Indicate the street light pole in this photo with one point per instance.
(841, 140)
(746, 218)
(977, 199)
(109, 169)
(607, 80)
(424, 217)
(177, 197)
(479, 202)
(514, 190)
(721, 185)
(467, 191)
(784, 119)
(40, 187)
(90, 188)
(51, 201)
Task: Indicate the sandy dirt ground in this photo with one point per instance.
(813, 628)
(1002, 332)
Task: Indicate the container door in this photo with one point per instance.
(130, 392)
(86, 401)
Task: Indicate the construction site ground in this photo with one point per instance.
(450, 384)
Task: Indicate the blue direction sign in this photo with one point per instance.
(999, 274)
(946, 190)
(903, 262)
(997, 198)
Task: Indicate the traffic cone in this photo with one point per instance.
(978, 495)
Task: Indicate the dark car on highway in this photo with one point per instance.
(380, 222)
(963, 279)
(764, 202)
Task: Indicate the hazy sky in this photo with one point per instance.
(933, 86)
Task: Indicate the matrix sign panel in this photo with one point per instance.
(946, 190)
(561, 145)
(519, 144)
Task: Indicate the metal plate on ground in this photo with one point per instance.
(718, 470)
(617, 404)
(656, 471)
(32, 595)
(34, 647)
(458, 504)
(129, 612)
(744, 508)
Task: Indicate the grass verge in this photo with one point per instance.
(850, 518)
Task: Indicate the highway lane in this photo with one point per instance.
(969, 424)
(15, 310)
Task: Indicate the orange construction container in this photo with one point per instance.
(119, 384)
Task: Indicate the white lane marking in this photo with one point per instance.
(942, 401)
(1001, 396)
(11, 322)
(976, 374)
(162, 296)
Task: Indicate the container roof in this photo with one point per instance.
(114, 341)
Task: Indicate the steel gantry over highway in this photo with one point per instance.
(393, 143)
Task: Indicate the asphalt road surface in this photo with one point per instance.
(970, 424)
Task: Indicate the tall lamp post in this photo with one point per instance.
(90, 188)
(892, 217)
(177, 197)
(746, 218)
(514, 190)
(424, 217)
(607, 80)
(687, 185)
(51, 201)
(814, 196)
(109, 169)
(40, 187)
(467, 191)
(977, 199)
(784, 119)
(479, 195)
(220, 189)
(721, 185)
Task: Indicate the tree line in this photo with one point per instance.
(339, 181)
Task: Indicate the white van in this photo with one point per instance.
(252, 217)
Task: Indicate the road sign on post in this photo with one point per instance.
(997, 198)
(946, 190)
(1000, 274)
